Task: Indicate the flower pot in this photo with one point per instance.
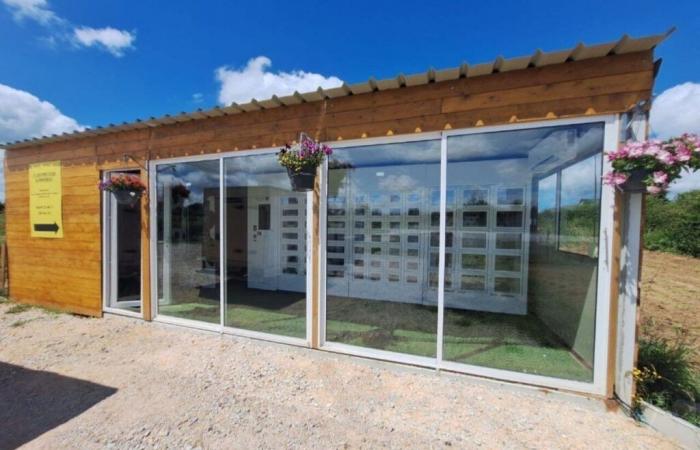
(302, 181)
(635, 182)
(127, 197)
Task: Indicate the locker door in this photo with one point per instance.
(292, 246)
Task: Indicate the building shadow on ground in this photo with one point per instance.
(33, 402)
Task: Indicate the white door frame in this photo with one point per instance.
(109, 257)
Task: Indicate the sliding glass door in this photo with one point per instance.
(188, 262)
(527, 209)
(381, 283)
(265, 224)
(479, 249)
(251, 276)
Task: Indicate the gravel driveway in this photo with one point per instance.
(71, 382)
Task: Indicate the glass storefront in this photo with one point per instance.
(518, 245)
(522, 212)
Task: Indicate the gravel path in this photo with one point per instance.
(71, 382)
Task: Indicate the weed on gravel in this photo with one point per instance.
(20, 323)
(18, 308)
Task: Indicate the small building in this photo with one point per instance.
(460, 224)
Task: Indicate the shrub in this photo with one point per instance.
(673, 225)
(665, 376)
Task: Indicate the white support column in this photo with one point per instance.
(629, 296)
(630, 259)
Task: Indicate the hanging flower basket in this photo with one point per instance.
(635, 182)
(127, 189)
(125, 197)
(303, 180)
(650, 166)
(301, 161)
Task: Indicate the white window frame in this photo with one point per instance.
(602, 317)
(221, 327)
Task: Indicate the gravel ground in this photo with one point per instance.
(71, 382)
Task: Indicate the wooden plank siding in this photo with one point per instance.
(66, 272)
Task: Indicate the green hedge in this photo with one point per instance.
(674, 225)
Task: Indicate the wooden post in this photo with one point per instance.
(145, 251)
(3, 269)
(315, 264)
(614, 295)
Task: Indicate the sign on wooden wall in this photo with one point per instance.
(45, 209)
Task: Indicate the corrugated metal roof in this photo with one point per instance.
(625, 44)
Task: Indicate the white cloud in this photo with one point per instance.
(398, 183)
(37, 10)
(61, 30)
(676, 111)
(255, 81)
(197, 97)
(23, 115)
(108, 38)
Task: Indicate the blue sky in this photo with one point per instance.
(118, 60)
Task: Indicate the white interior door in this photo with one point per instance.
(263, 264)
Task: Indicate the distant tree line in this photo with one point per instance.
(673, 225)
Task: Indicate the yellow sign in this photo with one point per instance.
(45, 209)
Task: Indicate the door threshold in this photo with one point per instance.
(122, 312)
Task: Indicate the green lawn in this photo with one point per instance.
(502, 341)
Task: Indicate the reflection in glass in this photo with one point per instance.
(188, 240)
(266, 247)
(578, 213)
(526, 295)
(381, 291)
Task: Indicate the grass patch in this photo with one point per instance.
(665, 376)
(502, 341)
(18, 308)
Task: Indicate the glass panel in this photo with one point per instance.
(510, 196)
(188, 240)
(474, 262)
(509, 241)
(509, 219)
(128, 223)
(387, 304)
(578, 214)
(474, 218)
(473, 240)
(524, 302)
(265, 250)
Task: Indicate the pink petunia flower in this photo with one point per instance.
(683, 153)
(666, 157)
(614, 178)
(660, 177)
(654, 190)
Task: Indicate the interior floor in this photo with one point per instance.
(504, 341)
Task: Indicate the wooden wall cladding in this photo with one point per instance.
(66, 272)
